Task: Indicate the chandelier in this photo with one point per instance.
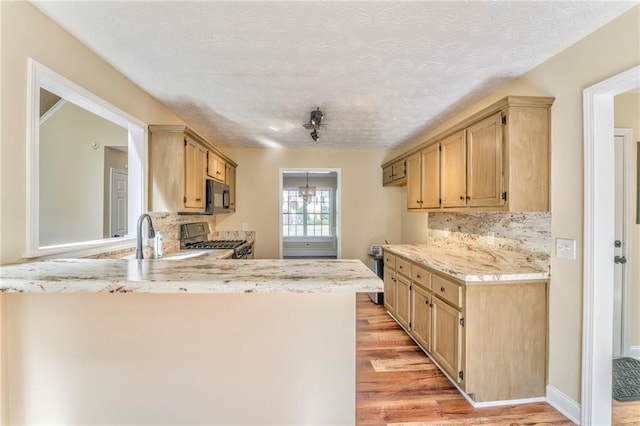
(307, 191)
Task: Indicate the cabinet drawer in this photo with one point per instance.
(421, 276)
(447, 290)
(389, 260)
(403, 267)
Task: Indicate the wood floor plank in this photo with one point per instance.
(397, 384)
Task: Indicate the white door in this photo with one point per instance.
(118, 204)
(620, 246)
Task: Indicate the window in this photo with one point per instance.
(307, 219)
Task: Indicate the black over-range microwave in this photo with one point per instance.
(218, 198)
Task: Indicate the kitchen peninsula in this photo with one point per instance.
(191, 341)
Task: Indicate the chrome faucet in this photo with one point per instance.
(151, 234)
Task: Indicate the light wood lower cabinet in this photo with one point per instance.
(490, 338)
(421, 307)
(446, 340)
(403, 299)
(390, 289)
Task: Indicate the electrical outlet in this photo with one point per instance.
(491, 238)
(245, 226)
(565, 248)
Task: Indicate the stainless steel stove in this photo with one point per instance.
(194, 236)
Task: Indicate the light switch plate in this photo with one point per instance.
(565, 248)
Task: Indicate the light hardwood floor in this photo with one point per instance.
(625, 413)
(398, 385)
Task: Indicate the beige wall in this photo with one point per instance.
(370, 212)
(610, 50)
(58, 50)
(72, 174)
(185, 359)
(627, 115)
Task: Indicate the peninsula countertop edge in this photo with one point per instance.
(190, 276)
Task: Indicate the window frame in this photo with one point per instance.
(305, 236)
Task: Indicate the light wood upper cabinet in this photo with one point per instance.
(430, 184)
(194, 169)
(414, 179)
(216, 167)
(495, 160)
(484, 163)
(394, 174)
(423, 179)
(453, 173)
(178, 162)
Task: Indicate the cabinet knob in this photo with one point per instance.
(442, 289)
(197, 199)
(462, 197)
(468, 198)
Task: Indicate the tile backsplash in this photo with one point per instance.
(168, 224)
(526, 232)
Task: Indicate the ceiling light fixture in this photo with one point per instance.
(307, 191)
(315, 121)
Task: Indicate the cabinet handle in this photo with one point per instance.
(462, 197)
(442, 289)
(426, 302)
(468, 198)
(197, 199)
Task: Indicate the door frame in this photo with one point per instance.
(338, 206)
(597, 326)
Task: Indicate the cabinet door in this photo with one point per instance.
(421, 316)
(231, 181)
(403, 300)
(414, 200)
(390, 289)
(453, 161)
(216, 167)
(484, 163)
(387, 175)
(195, 169)
(399, 169)
(430, 157)
(446, 340)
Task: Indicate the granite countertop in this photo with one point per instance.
(473, 264)
(195, 275)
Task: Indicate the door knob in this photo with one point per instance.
(620, 259)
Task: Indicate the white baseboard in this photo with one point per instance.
(634, 352)
(563, 403)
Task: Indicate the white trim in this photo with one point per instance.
(563, 403)
(634, 352)
(41, 76)
(55, 108)
(629, 176)
(598, 245)
(338, 196)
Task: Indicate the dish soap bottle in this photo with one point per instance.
(157, 246)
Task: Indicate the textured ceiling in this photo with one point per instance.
(249, 73)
